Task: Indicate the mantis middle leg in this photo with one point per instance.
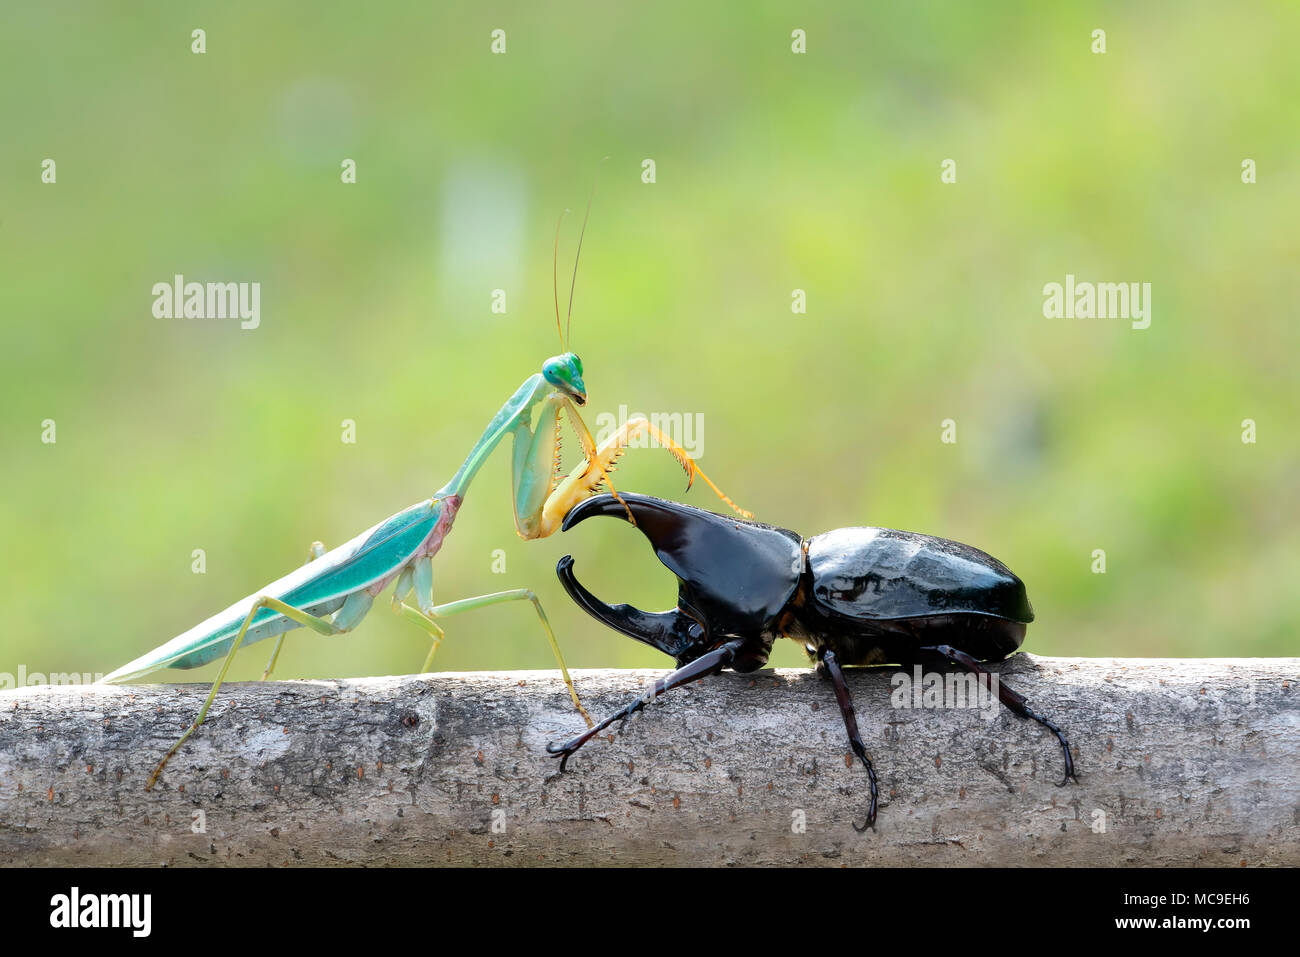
(421, 583)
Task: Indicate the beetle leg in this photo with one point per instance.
(707, 664)
(1014, 701)
(831, 666)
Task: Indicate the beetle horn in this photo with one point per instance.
(599, 505)
(672, 632)
(736, 576)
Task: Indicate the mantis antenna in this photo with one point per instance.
(578, 254)
(555, 277)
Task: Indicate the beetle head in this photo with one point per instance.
(734, 576)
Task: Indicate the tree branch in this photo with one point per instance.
(1179, 762)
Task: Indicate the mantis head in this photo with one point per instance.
(565, 373)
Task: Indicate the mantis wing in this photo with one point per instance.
(320, 587)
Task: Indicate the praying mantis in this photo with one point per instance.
(336, 589)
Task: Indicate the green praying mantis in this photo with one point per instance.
(335, 590)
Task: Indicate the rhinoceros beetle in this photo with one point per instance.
(853, 596)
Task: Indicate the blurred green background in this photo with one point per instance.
(775, 171)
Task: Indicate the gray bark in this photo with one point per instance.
(1179, 762)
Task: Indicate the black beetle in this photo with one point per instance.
(854, 596)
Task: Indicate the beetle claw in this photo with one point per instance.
(871, 777)
(871, 811)
(871, 817)
(1065, 749)
(561, 751)
(1069, 768)
(1069, 771)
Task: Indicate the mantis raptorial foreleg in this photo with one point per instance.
(542, 499)
(315, 551)
(584, 480)
(421, 582)
(595, 461)
(347, 618)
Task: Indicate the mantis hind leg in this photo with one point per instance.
(353, 610)
(315, 551)
(421, 582)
